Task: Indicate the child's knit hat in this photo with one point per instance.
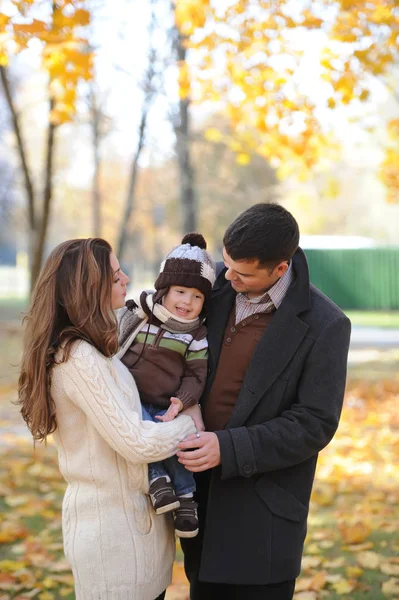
(189, 265)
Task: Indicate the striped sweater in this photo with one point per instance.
(170, 364)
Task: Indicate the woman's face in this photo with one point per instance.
(119, 283)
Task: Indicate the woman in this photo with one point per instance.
(71, 384)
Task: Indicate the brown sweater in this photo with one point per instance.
(238, 346)
(165, 364)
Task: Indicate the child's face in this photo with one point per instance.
(184, 302)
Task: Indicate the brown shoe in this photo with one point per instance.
(186, 518)
(163, 496)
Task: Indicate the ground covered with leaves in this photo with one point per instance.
(352, 547)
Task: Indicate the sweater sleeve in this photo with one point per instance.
(89, 384)
(195, 372)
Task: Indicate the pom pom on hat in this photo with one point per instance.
(194, 239)
(189, 265)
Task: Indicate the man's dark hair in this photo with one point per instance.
(266, 232)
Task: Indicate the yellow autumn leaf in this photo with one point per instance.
(49, 583)
(10, 566)
(356, 533)
(81, 17)
(30, 28)
(65, 579)
(4, 20)
(323, 493)
(3, 58)
(318, 581)
(368, 560)
(213, 135)
(17, 500)
(353, 572)
(391, 587)
(310, 562)
(11, 532)
(343, 587)
(243, 159)
(190, 15)
(313, 549)
(46, 596)
(307, 595)
(364, 95)
(303, 584)
(389, 569)
(58, 117)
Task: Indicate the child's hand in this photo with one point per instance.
(195, 413)
(175, 407)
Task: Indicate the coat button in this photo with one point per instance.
(233, 329)
(247, 470)
(228, 340)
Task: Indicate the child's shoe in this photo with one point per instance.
(163, 496)
(186, 518)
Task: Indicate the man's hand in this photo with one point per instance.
(175, 407)
(195, 413)
(206, 454)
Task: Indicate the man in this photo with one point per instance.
(278, 354)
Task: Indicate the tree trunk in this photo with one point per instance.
(182, 127)
(123, 236)
(96, 140)
(26, 172)
(47, 198)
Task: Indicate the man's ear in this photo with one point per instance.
(281, 268)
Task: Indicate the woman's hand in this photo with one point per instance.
(195, 413)
(176, 405)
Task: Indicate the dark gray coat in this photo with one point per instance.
(254, 507)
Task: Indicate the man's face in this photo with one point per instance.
(248, 277)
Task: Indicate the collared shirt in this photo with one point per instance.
(269, 301)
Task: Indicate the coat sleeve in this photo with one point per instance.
(89, 384)
(307, 426)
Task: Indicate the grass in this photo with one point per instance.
(385, 319)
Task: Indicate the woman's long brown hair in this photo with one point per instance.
(72, 300)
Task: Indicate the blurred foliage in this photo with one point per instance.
(65, 52)
(246, 55)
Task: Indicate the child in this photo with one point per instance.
(164, 345)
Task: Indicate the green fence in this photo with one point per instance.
(361, 279)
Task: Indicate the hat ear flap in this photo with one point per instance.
(159, 294)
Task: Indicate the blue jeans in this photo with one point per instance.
(182, 480)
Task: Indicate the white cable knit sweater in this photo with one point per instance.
(119, 549)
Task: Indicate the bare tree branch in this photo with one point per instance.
(21, 148)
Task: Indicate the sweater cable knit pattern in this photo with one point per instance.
(118, 548)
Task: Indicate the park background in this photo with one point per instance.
(140, 120)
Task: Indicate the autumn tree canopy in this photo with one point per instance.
(65, 51)
(245, 55)
(55, 29)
